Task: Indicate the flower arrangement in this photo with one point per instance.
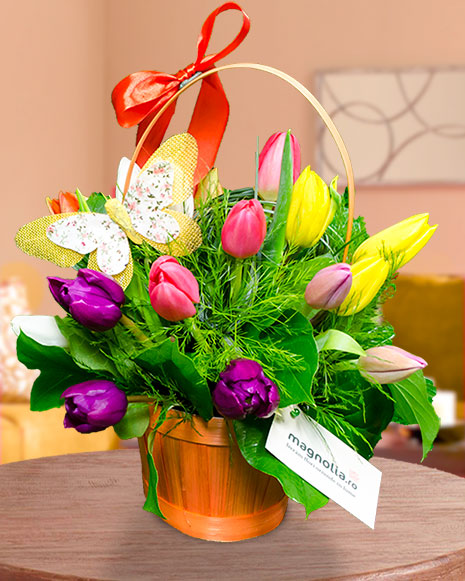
(231, 303)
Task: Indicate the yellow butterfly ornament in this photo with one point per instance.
(157, 209)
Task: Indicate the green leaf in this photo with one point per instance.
(57, 372)
(151, 503)
(298, 383)
(167, 363)
(276, 237)
(83, 207)
(83, 348)
(413, 406)
(430, 389)
(251, 435)
(361, 418)
(294, 334)
(96, 203)
(334, 340)
(138, 293)
(135, 421)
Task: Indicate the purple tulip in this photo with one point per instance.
(93, 405)
(243, 389)
(92, 298)
(388, 364)
(329, 287)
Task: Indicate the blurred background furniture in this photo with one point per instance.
(25, 434)
(427, 313)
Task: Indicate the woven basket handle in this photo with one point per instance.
(310, 98)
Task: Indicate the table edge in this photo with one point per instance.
(427, 570)
(13, 573)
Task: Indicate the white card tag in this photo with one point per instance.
(326, 463)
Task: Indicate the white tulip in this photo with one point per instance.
(41, 328)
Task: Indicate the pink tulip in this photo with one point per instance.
(389, 364)
(244, 229)
(173, 289)
(269, 165)
(329, 287)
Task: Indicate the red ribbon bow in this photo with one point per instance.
(139, 96)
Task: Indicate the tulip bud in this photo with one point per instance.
(94, 405)
(92, 298)
(399, 243)
(312, 208)
(269, 165)
(329, 287)
(209, 187)
(244, 229)
(388, 364)
(244, 389)
(66, 202)
(368, 276)
(173, 289)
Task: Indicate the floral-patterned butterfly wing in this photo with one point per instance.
(32, 239)
(86, 232)
(65, 239)
(148, 195)
(123, 278)
(169, 174)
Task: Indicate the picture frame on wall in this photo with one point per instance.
(402, 126)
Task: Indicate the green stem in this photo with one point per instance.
(83, 206)
(345, 366)
(236, 280)
(318, 317)
(196, 333)
(229, 343)
(129, 324)
(140, 398)
(309, 312)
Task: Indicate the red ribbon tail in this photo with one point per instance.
(208, 123)
(155, 137)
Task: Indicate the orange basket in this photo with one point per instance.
(205, 487)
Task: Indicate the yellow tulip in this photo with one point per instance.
(368, 276)
(399, 243)
(311, 210)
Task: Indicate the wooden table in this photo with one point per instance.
(80, 517)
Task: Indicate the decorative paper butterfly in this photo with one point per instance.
(155, 209)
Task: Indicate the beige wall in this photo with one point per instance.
(62, 59)
(52, 104)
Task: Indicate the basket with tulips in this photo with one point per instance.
(263, 315)
(217, 311)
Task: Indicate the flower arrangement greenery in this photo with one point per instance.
(253, 310)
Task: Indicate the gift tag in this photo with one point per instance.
(325, 462)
